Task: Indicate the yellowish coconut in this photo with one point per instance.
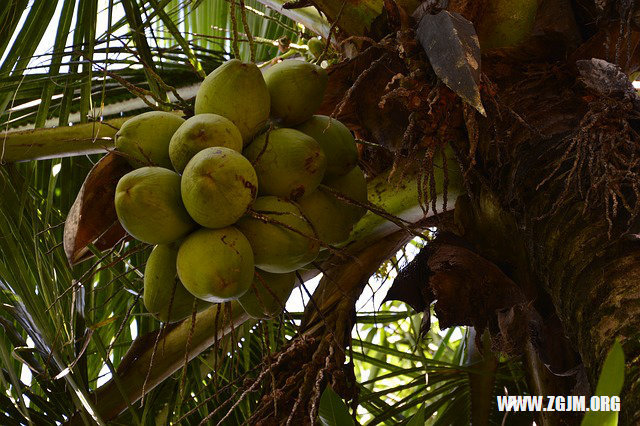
(316, 46)
(200, 132)
(216, 265)
(296, 89)
(288, 163)
(331, 217)
(268, 294)
(144, 139)
(282, 239)
(149, 206)
(218, 185)
(164, 295)
(237, 91)
(353, 186)
(336, 142)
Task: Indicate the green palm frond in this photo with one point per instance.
(152, 46)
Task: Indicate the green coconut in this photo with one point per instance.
(316, 46)
(149, 206)
(164, 295)
(296, 88)
(353, 186)
(330, 218)
(218, 185)
(216, 265)
(268, 294)
(336, 142)
(144, 139)
(506, 23)
(237, 91)
(290, 165)
(200, 132)
(333, 218)
(282, 240)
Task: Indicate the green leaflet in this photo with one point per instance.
(609, 384)
(333, 411)
(417, 419)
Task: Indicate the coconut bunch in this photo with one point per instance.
(241, 195)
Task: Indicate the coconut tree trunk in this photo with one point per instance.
(593, 279)
(548, 178)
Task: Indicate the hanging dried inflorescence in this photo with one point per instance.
(601, 159)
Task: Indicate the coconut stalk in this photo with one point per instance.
(64, 141)
(40, 144)
(325, 329)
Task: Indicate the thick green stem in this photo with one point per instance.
(63, 141)
(397, 194)
(39, 144)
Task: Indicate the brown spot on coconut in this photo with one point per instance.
(281, 238)
(212, 192)
(216, 265)
(200, 132)
(288, 163)
(149, 206)
(144, 139)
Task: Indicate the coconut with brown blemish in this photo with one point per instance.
(144, 139)
(218, 185)
(288, 163)
(200, 132)
(164, 295)
(216, 265)
(149, 206)
(281, 238)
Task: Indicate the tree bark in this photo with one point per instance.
(552, 238)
